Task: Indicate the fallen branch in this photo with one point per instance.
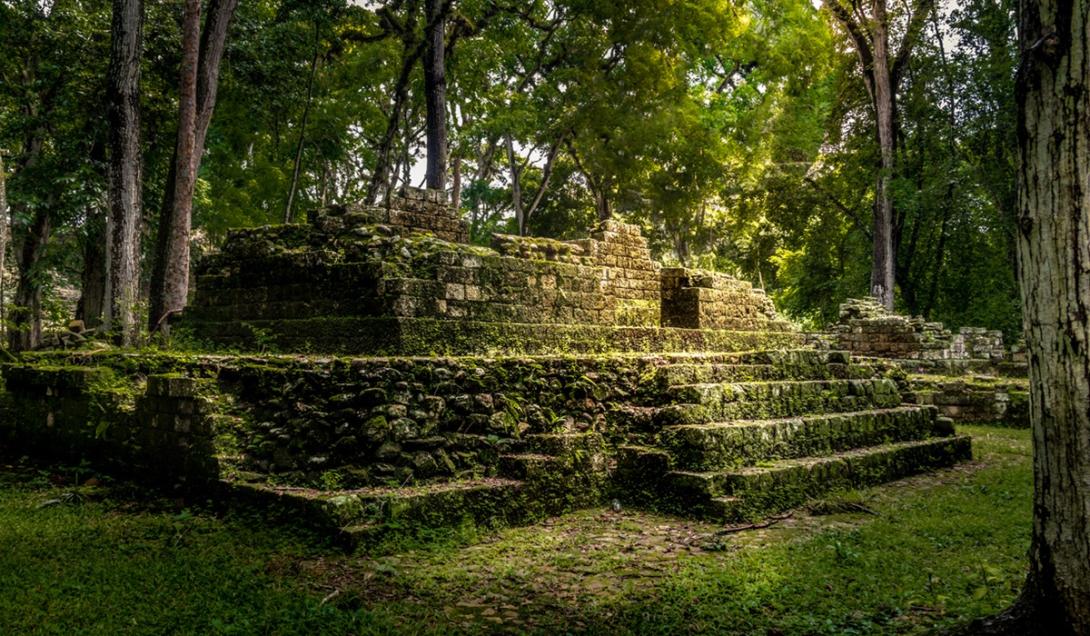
(771, 521)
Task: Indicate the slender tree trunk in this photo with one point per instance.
(91, 308)
(882, 275)
(173, 255)
(170, 276)
(412, 49)
(1054, 271)
(26, 311)
(456, 185)
(5, 236)
(435, 92)
(122, 231)
(516, 187)
(546, 176)
(302, 130)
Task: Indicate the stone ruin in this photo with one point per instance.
(354, 281)
(970, 376)
(869, 329)
(370, 373)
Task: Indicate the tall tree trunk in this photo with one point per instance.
(882, 72)
(91, 308)
(170, 276)
(303, 128)
(5, 236)
(881, 279)
(1054, 271)
(456, 185)
(26, 310)
(435, 92)
(122, 232)
(516, 187)
(173, 253)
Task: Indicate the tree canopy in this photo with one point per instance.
(739, 135)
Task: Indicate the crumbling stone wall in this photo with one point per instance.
(156, 427)
(694, 299)
(973, 398)
(290, 285)
(866, 328)
(332, 423)
(409, 210)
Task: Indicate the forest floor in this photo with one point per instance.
(81, 554)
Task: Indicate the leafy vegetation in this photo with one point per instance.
(739, 135)
(911, 557)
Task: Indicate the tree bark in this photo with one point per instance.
(122, 232)
(26, 310)
(170, 276)
(516, 186)
(5, 236)
(435, 92)
(1054, 271)
(412, 50)
(91, 308)
(456, 185)
(882, 72)
(174, 236)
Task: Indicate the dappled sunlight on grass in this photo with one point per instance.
(910, 557)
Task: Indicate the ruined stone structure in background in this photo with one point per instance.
(969, 376)
(585, 373)
(866, 328)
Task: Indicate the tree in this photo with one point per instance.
(202, 54)
(882, 75)
(125, 168)
(1054, 270)
(435, 90)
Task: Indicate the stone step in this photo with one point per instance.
(758, 366)
(722, 445)
(706, 403)
(563, 443)
(529, 466)
(424, 506)
(748, 493)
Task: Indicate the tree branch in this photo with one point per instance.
(916, 23)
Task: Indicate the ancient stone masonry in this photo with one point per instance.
(395, 283)
(495, 385)
(363, 446)
(694, 299)
(866, 328)
(973, 398)
(969, 376)
(409, 211)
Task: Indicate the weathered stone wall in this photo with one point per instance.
(866, 328)
(973, 398)
(270, 286)
(411, 210)
(156, 427)
(694, 299)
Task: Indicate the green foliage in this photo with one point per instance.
(737, 134)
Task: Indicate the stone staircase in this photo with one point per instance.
(730, 446)
(729, 436)
(542, 474)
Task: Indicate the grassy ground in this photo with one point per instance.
(917, 556)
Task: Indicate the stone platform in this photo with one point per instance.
(348, 283)
(362, 447)
(430, 382)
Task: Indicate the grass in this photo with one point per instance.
(917, 556)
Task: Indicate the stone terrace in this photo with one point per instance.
(675, 389)
(347, 283)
